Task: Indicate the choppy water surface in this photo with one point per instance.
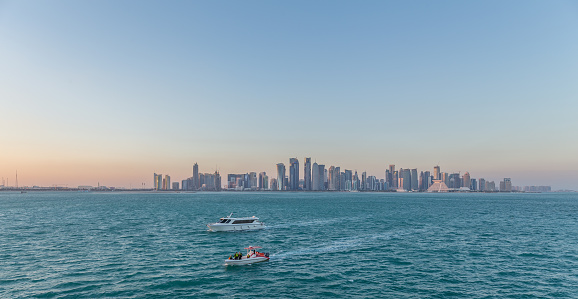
(56, 245)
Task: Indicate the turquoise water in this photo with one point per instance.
(58, 245)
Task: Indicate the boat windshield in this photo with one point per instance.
(243, 221)
(223, 220)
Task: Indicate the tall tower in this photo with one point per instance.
(437, 173)
(315, 177)
(196, 182)
(281, 176)
(307, 175)
(414, 180)
(293, 174)
(158, 182)
(322, 177)
(466, 180)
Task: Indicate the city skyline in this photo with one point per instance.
(280, 167)
(317, 178)
(98, 93)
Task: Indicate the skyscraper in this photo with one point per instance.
(482, 185)
(466, 180)
(391, 179)
(167, 182)
(348, 180)
(506, 185)
(387, 179)
(293, 174)
(196, 181)
(158, 181)
(363, 185)
(253, 180)
(323, 176)
(334, 178)
(281, 176)
(263, 181)
(446, 179)
(406, 175)
(307, 175)
(315, 177)
(414, 180)
(337, 178)
(436, 173)
(455, 181)
(428, 180)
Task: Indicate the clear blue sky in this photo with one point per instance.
(110, 91)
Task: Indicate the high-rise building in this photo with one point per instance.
(490, 186)
(405, 174)
(348, 177)
(331, 179)
(446, 179)
(363, 185)
(391, 180)
(217, 181)
(436, 173)
(167, 182)
(196, 181)
(387, 180)
(482, 185)
(421, 181)
(414, 179)
(158, 181)
(506, 185)
(315, 177)
(337, 178)
(293, 174)
(428, 180)
(263, 181)
(307, 175)
(281, 176)
(274, 185)
(466, 180)
(473, 185)
(175, 185)
(323, 177)
(253, 180)
(455, 181)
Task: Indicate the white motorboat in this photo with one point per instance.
(252, 256)
(236, 224)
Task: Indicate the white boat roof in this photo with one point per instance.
(240, 218)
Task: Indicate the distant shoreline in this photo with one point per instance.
(152, 191)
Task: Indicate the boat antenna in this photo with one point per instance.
(230, 215)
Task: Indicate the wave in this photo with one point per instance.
(345, 244)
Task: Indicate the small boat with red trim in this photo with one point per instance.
(252, 256)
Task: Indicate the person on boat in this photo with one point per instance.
(230, 257)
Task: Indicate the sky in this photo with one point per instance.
(109, 92)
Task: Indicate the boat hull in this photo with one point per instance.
(218, 227)
(246, 261)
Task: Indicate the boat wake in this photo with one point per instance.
(318, 222)
(344, 244)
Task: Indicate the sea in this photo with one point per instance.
(338, 245)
